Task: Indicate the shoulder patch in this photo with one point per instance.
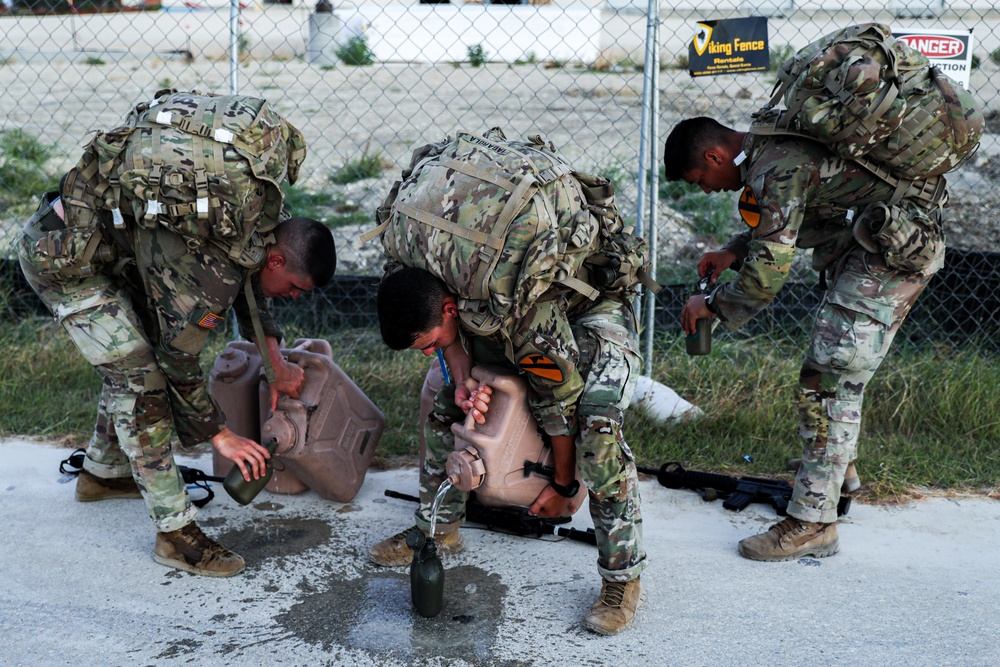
(542, 366)
(210, 321)
(749, 208)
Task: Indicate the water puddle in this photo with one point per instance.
(276, 538)
(374, 613)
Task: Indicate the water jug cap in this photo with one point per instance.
(232, 363)
(466, 469)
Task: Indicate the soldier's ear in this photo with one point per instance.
(449, 309)
(275, 259)
(713, 156)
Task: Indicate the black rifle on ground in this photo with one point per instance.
(736, 492)
(513, 520)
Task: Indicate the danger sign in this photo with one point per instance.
(949, 50)
(935, 46)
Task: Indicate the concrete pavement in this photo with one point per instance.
(913, 585)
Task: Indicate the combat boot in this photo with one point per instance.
(393, 552)
(90, 487)
(791, 539)
(191, 550)
(851, 480)
(615, 607)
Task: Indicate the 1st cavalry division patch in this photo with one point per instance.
(749, 208)
(542, 366)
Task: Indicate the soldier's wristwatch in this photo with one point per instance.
(568, 491)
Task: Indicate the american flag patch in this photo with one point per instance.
(210, 321)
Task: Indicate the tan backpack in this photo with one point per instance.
(876, 100)
(507, 223)
(208, 166)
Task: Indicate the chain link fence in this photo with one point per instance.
(367, 83)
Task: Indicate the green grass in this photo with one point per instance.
(366, 165)
(301, 203)
(328, 208)
(24, 173)
(779, 54)
(711, 215)
(929, 420)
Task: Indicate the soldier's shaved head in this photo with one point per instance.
(687, 143)
(409, 304)
(308, 248)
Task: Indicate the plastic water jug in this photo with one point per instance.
(327, 436)
(505, 461)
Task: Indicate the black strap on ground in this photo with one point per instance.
(73, 464)
(198, 478)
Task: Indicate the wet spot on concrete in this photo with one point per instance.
(268, 506)
(375, 613)
(211, 521)
(179, 648)
(276, 538)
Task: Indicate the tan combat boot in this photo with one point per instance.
(851, 480)
(393, 552)
(90, 487)
(191, 550)
(791, 539)
(615, 607)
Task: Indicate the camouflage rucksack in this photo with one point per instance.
(208, 166)
(506, 223)
(876, 100)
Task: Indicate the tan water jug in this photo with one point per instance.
(327, 436)
(233, 383)
(283, 480)
(503, 459)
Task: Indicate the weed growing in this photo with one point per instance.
(355, 51)
(477, 56)
(366, 165)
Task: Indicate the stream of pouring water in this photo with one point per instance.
(442, 490)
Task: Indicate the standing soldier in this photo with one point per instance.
(164, 224)
(798, 194)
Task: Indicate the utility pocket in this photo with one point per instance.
(905, 234)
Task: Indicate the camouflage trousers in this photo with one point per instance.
(134, 425)
(609, 364)
(854, 328)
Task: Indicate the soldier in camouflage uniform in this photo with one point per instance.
(798, 194)
(581, 362)
(141, 314)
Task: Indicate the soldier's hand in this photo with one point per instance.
(474, 399)
(244, 452)
(694, 310)
(716, 261)
(549, 504)
(288, 379)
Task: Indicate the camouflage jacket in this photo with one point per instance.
(211, 282)
(797, 193)
(197, 416)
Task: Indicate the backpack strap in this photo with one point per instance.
(258, 330)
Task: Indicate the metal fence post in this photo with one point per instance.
(648, 172)
(234, 46)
